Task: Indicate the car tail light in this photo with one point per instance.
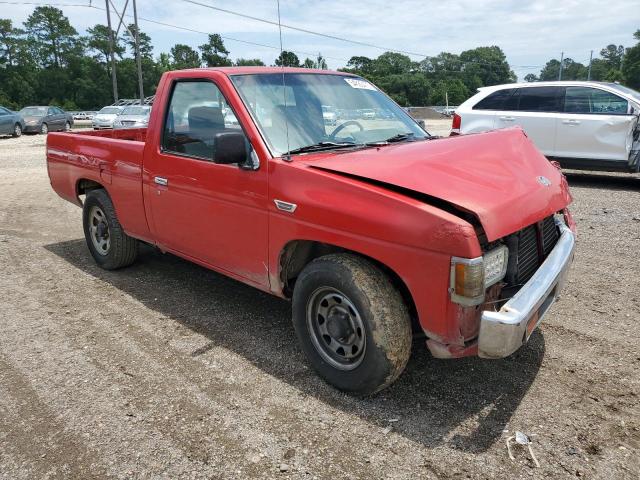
(456, 124)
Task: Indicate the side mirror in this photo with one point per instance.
(230, 147)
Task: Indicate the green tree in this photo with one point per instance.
(531, 77)
(99, 41)
(308, 63)
(214, 53)
(550, 71)
(146, 49)
(631, 65)
(392, 63)
(612, 55)
(184, 57)
(53, 40)
(320, 63)
(360, 65)
(287, 59)
(488, 64)
(10, 42)
(249, 62)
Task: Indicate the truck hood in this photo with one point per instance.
(498, 176)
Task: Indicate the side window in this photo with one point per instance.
(197, 112)
(51, 111)
(541, 99)
(495, 101)
(58, 111)
(594, 100)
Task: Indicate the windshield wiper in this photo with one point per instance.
(400, 137)
(320, 146)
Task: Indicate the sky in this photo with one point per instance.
(529, 32)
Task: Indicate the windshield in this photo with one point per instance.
(34, 111)
(627, 91)
(110, 110)
(363, 114)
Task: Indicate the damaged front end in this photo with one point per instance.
(516, 290)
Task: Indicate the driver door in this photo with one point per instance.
(211, 213)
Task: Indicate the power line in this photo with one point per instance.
(304, 30)
(274, 47)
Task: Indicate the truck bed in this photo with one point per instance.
(112, 158)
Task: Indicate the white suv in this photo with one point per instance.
(584, 125)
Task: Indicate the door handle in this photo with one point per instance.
(161, 181)
(506, 119)
(571, 122)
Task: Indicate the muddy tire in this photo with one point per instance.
(352, 323)
(110, 247)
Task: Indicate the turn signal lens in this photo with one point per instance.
(470, 277)
(467, 280)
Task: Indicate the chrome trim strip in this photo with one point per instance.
(503, 332)
(161, 181)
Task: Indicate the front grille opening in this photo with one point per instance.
(528, 248)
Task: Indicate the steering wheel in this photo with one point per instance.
(343, 125)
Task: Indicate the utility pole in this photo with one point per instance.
(138, 59)
(113, 56)
(590, 62)
(561, 61)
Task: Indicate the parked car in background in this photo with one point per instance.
(11, 123)
(105, 117)
(583, 125)
(134, 116)
(368, 113)
(329, 115)
(45, 119)
(81, 116)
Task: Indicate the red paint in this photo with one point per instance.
(224, 218)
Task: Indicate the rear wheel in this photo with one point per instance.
(67, 127)
(109, 245)
(352, 323)
(17, 130)
(44, 129)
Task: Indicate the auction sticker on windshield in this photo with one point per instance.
(358, 83)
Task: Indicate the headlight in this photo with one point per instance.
(470, 277)
(495, 265)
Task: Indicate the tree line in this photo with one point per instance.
(45, 61)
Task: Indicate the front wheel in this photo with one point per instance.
(17, 130)
(44, 129)
(352, 323)
(67, 127)
(109, 245)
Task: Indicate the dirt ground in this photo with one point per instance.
(167, 370)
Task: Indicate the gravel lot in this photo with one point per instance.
(167, 370)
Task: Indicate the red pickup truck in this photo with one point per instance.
(377, 231)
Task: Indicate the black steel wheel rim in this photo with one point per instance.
(336, 328)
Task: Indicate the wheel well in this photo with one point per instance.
(299, 253)
(84, 186)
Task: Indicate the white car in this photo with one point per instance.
(133, 116)
(105, 117)
(583, 125)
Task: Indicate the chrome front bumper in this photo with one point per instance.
(503, 332)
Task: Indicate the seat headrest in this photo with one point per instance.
(205, 118)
